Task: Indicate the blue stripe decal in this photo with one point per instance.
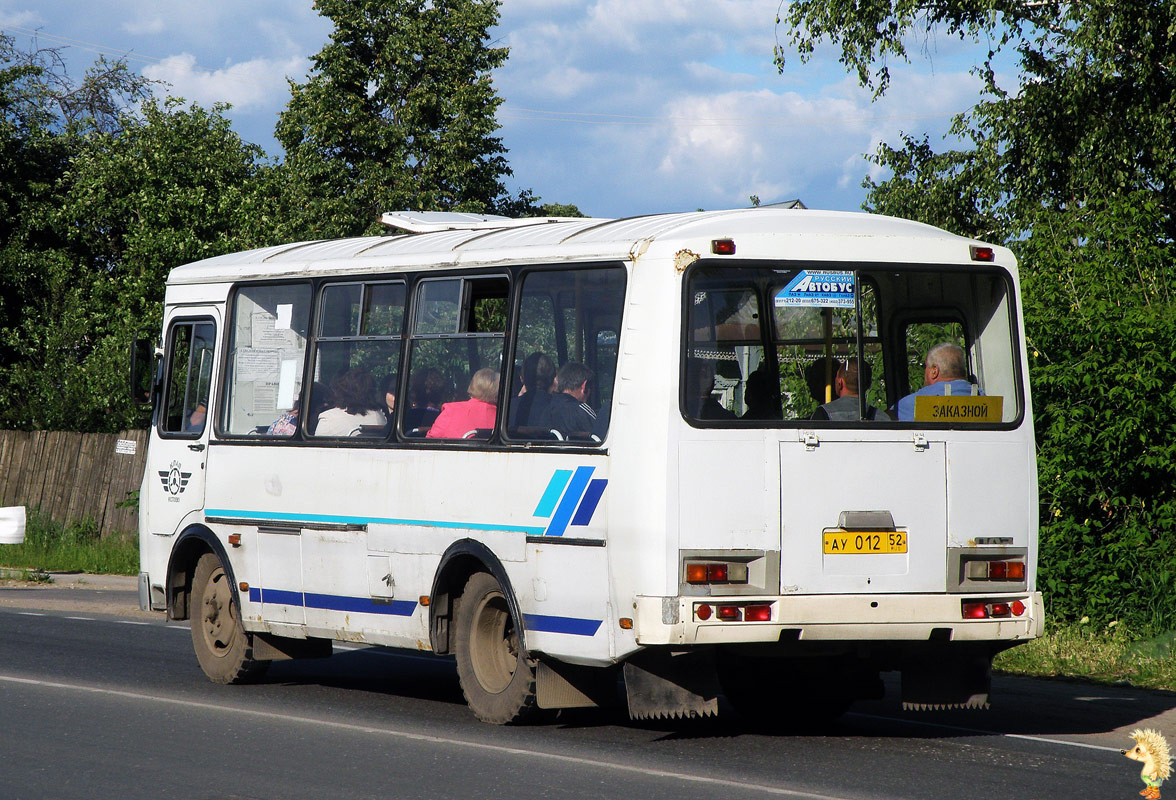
(588, 504)
(570, 625)
(278, 516)
(571, 499)
(332, 602)
(551, 495)
(361, 605)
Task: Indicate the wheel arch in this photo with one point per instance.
(193, 542)
(461, 560)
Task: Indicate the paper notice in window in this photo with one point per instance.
(282, 323)
(257, 365)
(286, 387)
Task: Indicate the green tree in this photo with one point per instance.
(1075, 168)
(172, 185)
(398, 113)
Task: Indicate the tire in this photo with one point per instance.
(497, 678)
(223, 648)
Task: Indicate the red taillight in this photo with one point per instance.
(975, 611)
(983, 253)
(723, 247)
(982, 570)
(757, 613)
(697, 572)
(734, 612)
(729, 613)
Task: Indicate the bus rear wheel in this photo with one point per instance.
(223, 648)
(497, 677)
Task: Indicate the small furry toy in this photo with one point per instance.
(1152, 749)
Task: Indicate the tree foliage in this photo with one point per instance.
(1074, 167)
(398, 113)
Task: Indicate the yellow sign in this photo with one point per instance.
(839, 542)
(958, 408)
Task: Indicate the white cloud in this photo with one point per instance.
(243, 85)
(144, 26)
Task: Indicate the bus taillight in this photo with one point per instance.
(981, 609)
(698, 572)
(996, 570)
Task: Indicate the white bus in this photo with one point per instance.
(360, 441)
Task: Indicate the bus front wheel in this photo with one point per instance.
(223, 648)
(496, 676)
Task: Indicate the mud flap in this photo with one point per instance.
(559, 685)
(682, 685)
(947, 683)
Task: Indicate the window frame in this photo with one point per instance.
(887, 329)
(168, 366)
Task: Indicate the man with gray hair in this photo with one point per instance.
(945, 372)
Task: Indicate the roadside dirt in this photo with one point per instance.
(116, 595)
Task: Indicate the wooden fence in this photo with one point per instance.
(71, 476)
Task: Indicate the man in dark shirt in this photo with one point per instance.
(568, 412)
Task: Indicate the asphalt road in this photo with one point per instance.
(99, 700)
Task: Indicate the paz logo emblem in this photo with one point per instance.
(173, 480)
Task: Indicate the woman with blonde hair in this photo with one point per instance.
(456, 420)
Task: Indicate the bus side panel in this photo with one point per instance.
(370, 526)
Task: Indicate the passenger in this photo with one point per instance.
(700, 387)
(388, 390)
(762, 394)
(944, 372)
(535, 395)
(458, 419)
(845, 385)
(195, 423)
(815, 376)
(356, 405)
(569, 413)
(426, 392)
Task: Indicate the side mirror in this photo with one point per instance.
(12, 525)
(143, 369)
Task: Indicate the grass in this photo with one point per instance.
(1103, 654)
(52, 547)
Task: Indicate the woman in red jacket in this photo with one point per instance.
(473, 418)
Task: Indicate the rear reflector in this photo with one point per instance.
(981, 609)
(729, 613)
(733, 612)
(758, 613)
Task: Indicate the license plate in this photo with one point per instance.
(864, 542)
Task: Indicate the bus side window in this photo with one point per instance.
(568, 324)
(266, 359)
(189, 377)
(458, 330)
(358, 347)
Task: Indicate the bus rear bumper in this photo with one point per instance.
(908, 617)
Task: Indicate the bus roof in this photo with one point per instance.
(483, 242)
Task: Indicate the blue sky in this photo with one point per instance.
(618, 106)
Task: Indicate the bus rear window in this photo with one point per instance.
(852, 344)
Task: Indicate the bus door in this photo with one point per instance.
(862, 516)
(178, 453)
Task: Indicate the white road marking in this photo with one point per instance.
(421, 737)
(982, 732)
